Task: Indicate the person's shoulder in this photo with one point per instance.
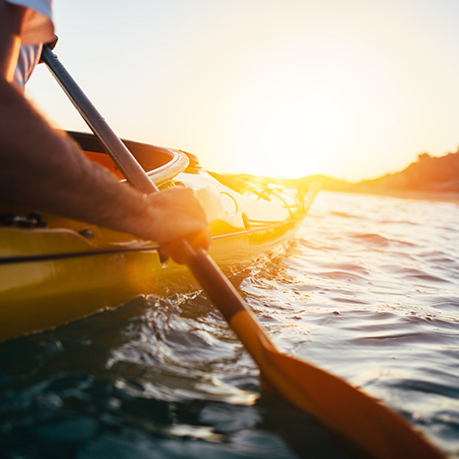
(37, 26)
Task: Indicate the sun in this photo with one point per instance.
(307, 108)
(289, 136)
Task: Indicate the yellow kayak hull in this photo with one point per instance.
(67, 270)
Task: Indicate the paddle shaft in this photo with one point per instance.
(121, 156)
(206, 271)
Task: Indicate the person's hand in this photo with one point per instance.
(51, 45)
(177, 215)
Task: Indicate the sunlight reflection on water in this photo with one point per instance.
(376, 280)
(368, 290)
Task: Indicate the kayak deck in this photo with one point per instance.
(53, 274)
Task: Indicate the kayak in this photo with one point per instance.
(55, 270)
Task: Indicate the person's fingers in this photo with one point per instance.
(179, 214)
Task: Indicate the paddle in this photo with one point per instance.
(349, 412)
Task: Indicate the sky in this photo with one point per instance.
(352, 89)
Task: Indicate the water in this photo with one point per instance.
(369, 290)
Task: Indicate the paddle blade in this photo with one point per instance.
(345, 409)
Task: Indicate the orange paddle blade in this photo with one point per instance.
(345, 409)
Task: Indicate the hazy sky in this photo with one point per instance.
(348, 88)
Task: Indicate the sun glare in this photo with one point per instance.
(323, 112)
(284, 139)
(350, 89)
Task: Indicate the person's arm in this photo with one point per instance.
(43, 169)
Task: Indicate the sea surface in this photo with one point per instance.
(368, 290)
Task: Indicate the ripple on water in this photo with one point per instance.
(368, 291)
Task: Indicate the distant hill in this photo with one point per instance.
(428, 174)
